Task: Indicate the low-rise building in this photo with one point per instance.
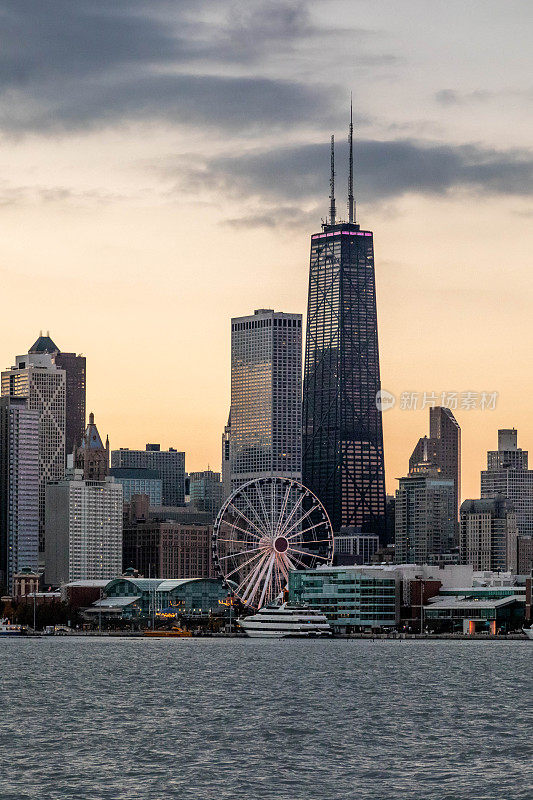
(469, 614)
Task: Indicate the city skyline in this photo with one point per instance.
(164, 183)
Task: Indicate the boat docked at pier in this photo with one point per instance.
(287, 619)
(9, 629)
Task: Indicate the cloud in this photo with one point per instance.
(384, 170)
(449, 97)
(73, 65)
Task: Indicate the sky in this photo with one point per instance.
(163, 165)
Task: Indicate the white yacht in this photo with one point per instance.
(288, 619)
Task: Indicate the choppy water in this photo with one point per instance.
(207, 719)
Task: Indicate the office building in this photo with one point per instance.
(488, 535)
(75, 385)
(524, 555)
(443, 447)
(160, 549)
(137, 481)
(170, 464)
(343, 460)
(507, 475)
(19, 489)
(206, 491)
(83, 529)
(92, 457)
(41, 382)
(351, 546)
(226, 460)
(266, 396)
(425, 525)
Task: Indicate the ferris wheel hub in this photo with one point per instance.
(281, 544)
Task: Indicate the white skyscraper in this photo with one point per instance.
(83, 529)
(19, 489)
(266, 396)
(36, 378)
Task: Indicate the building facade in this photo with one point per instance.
(507, 475)
(442, 447)
(353, 547)
(138, 481)
(425, 522)
(36, 378)
(165, 549)
(266, 396)
(206, 491)
(19, 489)
(170, 464)
(343, 459)
(349, 596)
(488, 535)
(75, 387)
(84, 529)
(92, 457)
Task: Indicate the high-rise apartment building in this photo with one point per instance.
(425, 525)
(488, 535)
(83, 529)
(266, 396)
(19, 489)
(75, 386)
(507, 475)
(443, 447)
(170, 464)
(92, 457)
(343, 460)
(41, 382)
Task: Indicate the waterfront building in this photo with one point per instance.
(75, 386)
(470, 615)
(488, 534)
(25, 583)
(343, 459)
(351, 546)
(425, 516)
(139, 481)
(166, 549)
(507, 475)
(91, 457)
(361, 597)
(137, 598)
(266, 396)
(36, 378)
(170, 464)
(83, 529)
(226, 460)
(19, 489)
(443, 447)
(206, 491)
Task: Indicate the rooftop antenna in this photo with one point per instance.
(332, 184)
(351, 201)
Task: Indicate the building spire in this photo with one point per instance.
(351, 201)
(332, 212)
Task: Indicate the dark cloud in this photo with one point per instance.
(74, 64)
(383, 170)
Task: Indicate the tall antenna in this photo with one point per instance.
(351, 201)
(332, 212)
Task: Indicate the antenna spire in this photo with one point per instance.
(351, 201)
(332, 211)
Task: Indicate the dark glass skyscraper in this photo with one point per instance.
(343, 459)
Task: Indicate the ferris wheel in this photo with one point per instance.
(266, 528)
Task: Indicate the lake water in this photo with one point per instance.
(208, 719)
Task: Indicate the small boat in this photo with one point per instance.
(172, 633)
(286, 620)
(528, 632)
(8, 629)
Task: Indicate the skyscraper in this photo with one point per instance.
(443, 447)
(343, 461)
(91, 457)
(170, 464)
(39, 380)
(75, 376)
(266, 396)
(19, 489)
(206, 491)
(226, 460)
(488, 538)
(507, 475)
